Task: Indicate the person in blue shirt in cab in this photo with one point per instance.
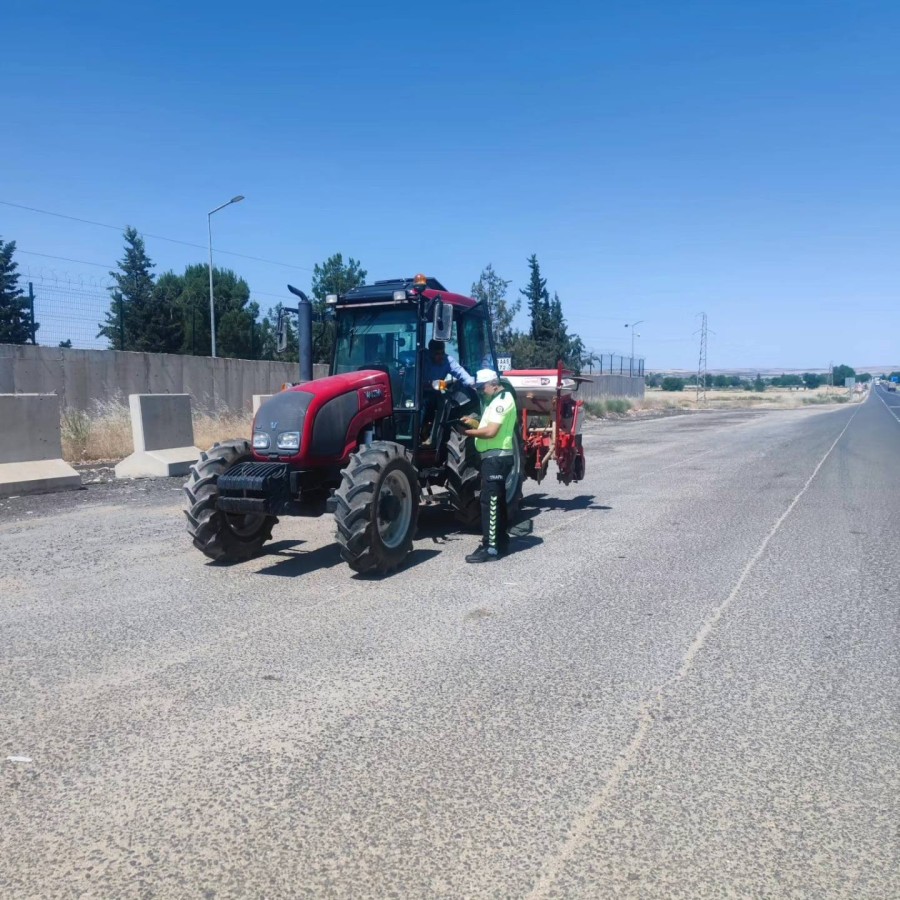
(439, 366)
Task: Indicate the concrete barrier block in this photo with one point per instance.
(31, 447)
(258, 400)
(163, 437)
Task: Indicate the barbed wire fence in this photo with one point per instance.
(70, 311)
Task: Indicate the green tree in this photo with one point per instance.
(758, 383)
(131, 320)
(812, 380)
(865, 377)
(333, 276)
(672, 383)
(548, 340)
(525, 352)
(839, 373)
(15, 313)
(538, 300)
(235, 315)
(720, 381)
(490, 289)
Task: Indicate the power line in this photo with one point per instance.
(156, 237)
(83, 262)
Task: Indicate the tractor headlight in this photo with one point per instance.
(260, 440)
(289, 440)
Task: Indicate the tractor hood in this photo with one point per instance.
(324, 417)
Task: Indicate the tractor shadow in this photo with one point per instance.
(522, 526)
(438, 526)
(292, 562)
(534, 504)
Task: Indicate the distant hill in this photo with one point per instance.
(770, 373)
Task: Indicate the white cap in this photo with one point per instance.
(483, 376)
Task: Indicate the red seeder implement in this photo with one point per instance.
(551, 421)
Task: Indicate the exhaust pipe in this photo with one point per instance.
(304, 333)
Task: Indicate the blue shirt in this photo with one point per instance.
(448, 366)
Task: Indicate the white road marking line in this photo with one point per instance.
(888, 407)
(18, 759)
(581, 825)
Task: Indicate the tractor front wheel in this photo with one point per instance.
(377, 507)
(222, 536)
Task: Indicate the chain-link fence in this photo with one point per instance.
(68, 313)
(613, 364)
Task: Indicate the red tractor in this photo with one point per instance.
(366, 443)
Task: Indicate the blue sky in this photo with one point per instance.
(660, 158)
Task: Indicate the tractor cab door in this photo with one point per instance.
(384, 338)
(469, 346)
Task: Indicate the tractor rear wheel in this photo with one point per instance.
(219, 535)
(377, 507)
(464, 479)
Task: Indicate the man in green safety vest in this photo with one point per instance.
(495, 441)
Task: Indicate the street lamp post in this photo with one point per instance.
(212, 302)
(631, 326)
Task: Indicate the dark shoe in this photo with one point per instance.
(482, 554)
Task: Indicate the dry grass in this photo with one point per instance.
(210, 427)
(656, 400)
(771, 398)
(104, 433)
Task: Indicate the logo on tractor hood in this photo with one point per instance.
(273, 425)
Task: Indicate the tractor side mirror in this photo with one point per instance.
(281, 332)
(443, 321)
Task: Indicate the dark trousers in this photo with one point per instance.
(494, 472)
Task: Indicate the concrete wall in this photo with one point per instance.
(604, 386)
(81, 377)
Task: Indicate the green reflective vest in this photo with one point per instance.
(502, 411)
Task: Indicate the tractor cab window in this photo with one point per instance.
(451, 346)
(475, 344)
(469, 344)
(380, 338)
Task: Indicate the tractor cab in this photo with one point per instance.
(388, 327)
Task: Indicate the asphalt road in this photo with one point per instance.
(683, 684)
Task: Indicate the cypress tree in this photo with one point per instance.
(132, 318)
(15, 313)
